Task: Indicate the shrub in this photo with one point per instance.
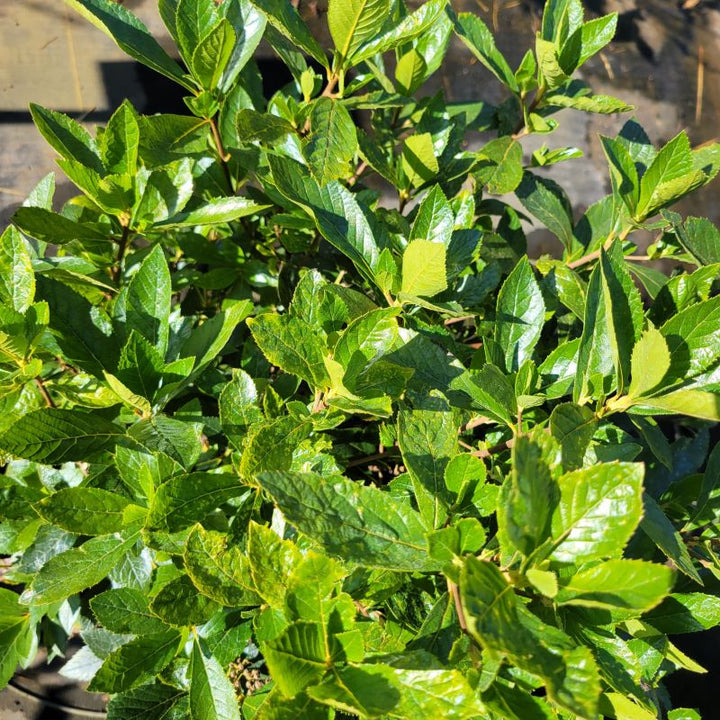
(283, 445)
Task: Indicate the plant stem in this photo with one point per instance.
(222, 154)
(454, 591)
(122, 248)
(43, 391)
(384, 455)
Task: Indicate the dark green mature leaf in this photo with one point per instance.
(699, 236)
(215, 212)
(212, 54)
(332, 142)
(528, 497)
(154, 701)
(186, 499)
(428, 440)
(180, 604)
(16, 634)
(121, 140)
(131, 35)
(358, 523)
(51, 227)
(520, 315)
(547, 201)
(211, 695)
(500, 165)
(598, 511)
(286, 20)
(685, 613)
(434, 220)
(573, 426)
(77, 569)
(126, 610)
(54, 435)
(86, 511)
(136, 662)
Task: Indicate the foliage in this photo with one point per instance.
(278, 449)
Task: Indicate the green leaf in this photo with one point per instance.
(238, 406)
(649, 363)
(628, 588)
(490, 392)
(77, 569)
(332, 142)
(149, 702)
(162, 194)
(424, 272)
(500, 165)
(547, 201)
(685, 613)
(699, 237)
(552, 73)
(692, 339)
(598, 511)
(126, 610)
(148, 300)
(131, 36)
(272, 561)
(573, 426)
(290, 343)
(136, 662)
(177, 439)
(428, 440)
(186, 499)
(410, 27)
(67, 137)
(54, 435)
(341, 220)
(218, 571)
(212, 54)
(528, 497)
(180, 604)
(479, 40)
(298, 657)
(85, 511)
(520, 315)
(286, 20)
(261, 127)
(662, 532)
(361, 524)
(672, 163)
(211, 695)
(53, 228)
(121, 140)
(353, 22)
(17, 281)
(434, 220)
(16, 635)
(601, 104)
(418, 159)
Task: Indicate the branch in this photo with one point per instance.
(122, 248)
(222, 153)
(43, 391)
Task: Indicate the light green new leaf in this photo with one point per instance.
(332, 142)
(131, 36)
(649, 363)
(353, 22)
(479, 40)
(410, 27)
(212, 55)
(84, 510)
(361, 524)
(215, 212)
(520, 315)
(286, 20)
(148, 300)
(190, 21)
(419, 163)
(77, 569)
(238, 406)
(17, 281)
(601, 104)
(272, 562)
(628, 588)
(291, 344)
(186, 499)
(16, 635)
(212, 696)
(55, 435)
(121, 140)
(693, 403)
(424, 272)
(598, 511)
(216, 570)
